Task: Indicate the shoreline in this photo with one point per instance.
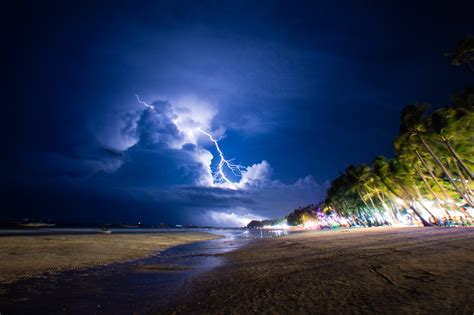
(373, 270)
(23, 257)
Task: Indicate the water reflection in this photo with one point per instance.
(249, 233)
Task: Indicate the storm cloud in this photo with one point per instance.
(293, 91)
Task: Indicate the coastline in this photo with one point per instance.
(406, 270)
(30, 256)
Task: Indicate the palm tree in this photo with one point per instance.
(433, 193)
(454, 166)
(464, 53)
(387, 170)
(453, 125)
(413, 123)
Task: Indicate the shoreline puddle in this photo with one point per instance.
(144, 285)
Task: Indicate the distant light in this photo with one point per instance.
(282, 226)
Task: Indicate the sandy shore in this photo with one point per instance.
(27, 256)
(376, 271)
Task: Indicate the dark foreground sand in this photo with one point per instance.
(28, 256)
(375, 271)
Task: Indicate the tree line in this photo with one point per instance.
(431, 175)
(429, 179)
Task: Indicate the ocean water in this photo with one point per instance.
(125, 288)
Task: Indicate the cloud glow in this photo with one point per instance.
(192, 118)
(227, 191)
(233, 218)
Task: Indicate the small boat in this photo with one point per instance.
(104, 230)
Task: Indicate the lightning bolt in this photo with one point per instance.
(144, 103)
(219, 176)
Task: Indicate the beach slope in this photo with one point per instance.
(27, 256)
(374, 270)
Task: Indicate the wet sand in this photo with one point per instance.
(360, 271)
(29, 256)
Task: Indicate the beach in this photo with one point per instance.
(29, 256)
(369, 271)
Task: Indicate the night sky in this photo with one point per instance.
(295, 92)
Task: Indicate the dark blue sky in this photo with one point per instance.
(307, 87)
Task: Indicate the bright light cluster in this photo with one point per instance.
(331, 220)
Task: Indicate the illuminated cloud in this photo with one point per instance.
(178, 136)
(237, 217)
(179, 126)
(255, 175)
(191, 115)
